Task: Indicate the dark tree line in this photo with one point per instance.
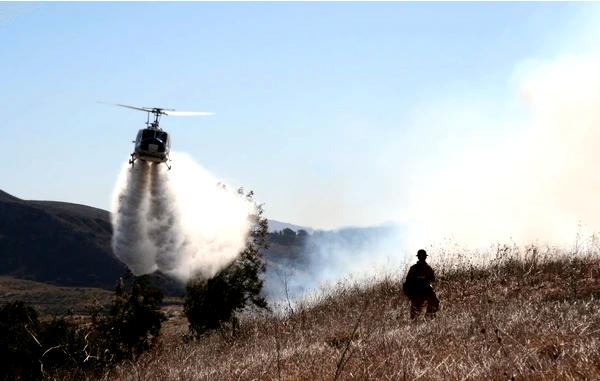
(288, 237)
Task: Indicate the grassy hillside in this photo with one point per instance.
(521, 316)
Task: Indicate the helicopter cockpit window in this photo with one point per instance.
(161, 135)
(147, 134)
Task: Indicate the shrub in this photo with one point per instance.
(31, 349)
(133, 323)
(19, 347)
(63, 348)
(56, 348)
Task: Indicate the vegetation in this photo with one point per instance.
(133, 323)
(60, 347)
(525, 314)
(522, 313)
(288, 237)
(31, 348)
(211, 303)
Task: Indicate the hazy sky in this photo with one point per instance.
(329, 111)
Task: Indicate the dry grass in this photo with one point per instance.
(53, 300)
(521, 316)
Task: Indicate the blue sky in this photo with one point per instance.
(327, 110)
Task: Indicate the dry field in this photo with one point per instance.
(53, 300)
(524, 315)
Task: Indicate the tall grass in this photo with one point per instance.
(523, 313)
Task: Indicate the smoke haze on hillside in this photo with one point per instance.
(327, 257)
(182, 222)
(535, 184)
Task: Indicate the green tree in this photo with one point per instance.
(209, 303)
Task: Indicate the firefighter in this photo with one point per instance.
(418, 288)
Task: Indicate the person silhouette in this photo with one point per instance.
(418, 289)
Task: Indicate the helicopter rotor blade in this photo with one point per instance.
(146, 109)
(187, 113)
(163, 111)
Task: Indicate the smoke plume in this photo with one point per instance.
(535, 183)
(328, 257)
(182, 222)
(540, 185)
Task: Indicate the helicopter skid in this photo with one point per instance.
(152, 159)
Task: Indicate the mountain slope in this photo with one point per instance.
(58, 242)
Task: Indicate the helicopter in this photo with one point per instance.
(153, 143)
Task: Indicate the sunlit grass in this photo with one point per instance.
(524, 313)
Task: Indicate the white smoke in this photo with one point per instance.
(182, 222)
(538, 186)
(328, 257)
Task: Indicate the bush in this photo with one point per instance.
(19, 347)
(64, 348)
(31, 349)
(209, 303)
(133, 323)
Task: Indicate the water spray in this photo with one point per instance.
(183, 222)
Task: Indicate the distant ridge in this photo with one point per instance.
(275, 226)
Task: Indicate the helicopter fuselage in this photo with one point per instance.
(151, 144)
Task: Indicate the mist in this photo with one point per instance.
(183, 222)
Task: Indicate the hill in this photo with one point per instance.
(528, 317)
(57, 242)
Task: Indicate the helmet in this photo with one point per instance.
(421, 254)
